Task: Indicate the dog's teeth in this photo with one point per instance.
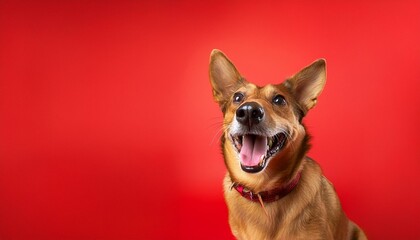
(262, 160)
(270, 142)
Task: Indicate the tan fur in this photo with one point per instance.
(312, 210)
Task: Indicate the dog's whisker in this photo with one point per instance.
(216, 124)
(289, 138)
(219, 132)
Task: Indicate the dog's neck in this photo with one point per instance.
(267, 196)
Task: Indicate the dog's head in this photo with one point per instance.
(264, 139)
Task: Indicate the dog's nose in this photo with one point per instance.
(250, 113)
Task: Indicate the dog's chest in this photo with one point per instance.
(248, 220)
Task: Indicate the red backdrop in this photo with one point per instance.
(108, 129)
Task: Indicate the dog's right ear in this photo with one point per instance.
(224, 77)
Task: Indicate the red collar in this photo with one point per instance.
(267, 196)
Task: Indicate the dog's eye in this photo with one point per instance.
(238, 97)
(279, 100)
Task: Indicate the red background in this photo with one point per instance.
(108, 129)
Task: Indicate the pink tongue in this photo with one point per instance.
(253, 147)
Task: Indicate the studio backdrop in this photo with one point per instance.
(108, 128)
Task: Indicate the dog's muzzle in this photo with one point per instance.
(255, 146)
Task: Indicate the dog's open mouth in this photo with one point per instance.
(255, 150)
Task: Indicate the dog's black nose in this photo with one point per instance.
(250, 113)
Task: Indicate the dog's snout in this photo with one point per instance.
(250, 113)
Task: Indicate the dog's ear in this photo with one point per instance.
(307, 84)
(224, 77)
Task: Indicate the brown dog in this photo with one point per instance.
(272, 190)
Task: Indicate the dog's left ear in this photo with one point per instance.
(307, 84)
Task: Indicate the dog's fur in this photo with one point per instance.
(312, 210)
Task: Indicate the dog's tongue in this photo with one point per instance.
(253, 147)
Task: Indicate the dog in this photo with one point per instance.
(272, 189)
